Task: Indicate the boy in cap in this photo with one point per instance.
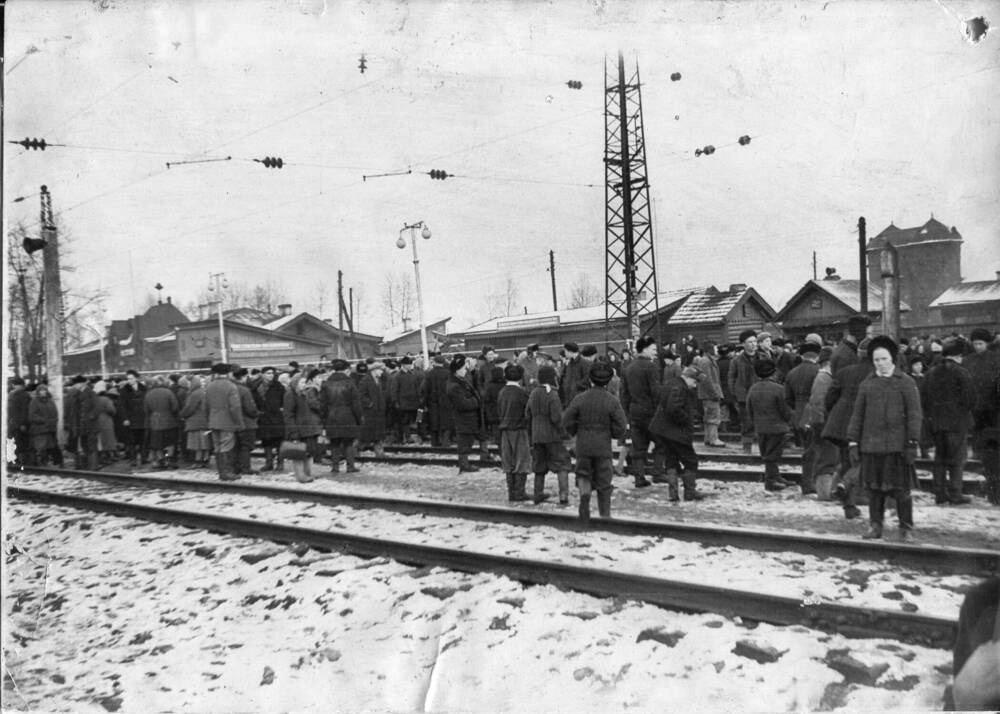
(595, 418)
(673, 427)
(741, 378)
(544, 415)
(515, 449)
(770, 416)
(798, 388)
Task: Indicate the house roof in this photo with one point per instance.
(398, 332)
(846, 292)
(933, 230)
(256, 329)
(968, 293)
(282, 323)
(711, 305)
(247, 315)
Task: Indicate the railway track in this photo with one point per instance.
(847, 620)
(977, 561)
(969, 485)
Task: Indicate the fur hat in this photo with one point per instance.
(814, 339)
(571, 347)
(457, 362)
(361, 368)
(810, 348)
(746, 335)
(391, 364)
(240, 372)
(641, 344)
(221, 368)
(440, 359)
(311, 374)
(513, 372)
(858, 323)
(339, 365)
(588, 351)
(601, 373)
(406, 360)
(764, 368)
(953, 348)
(486, 349)
(547, 375)
(885, 342)
(825, 354)
(981, 334)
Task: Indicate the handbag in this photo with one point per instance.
(292, 450)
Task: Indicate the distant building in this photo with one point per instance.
(405, 338)
(966, 306)
(824, 307)
(930, 262)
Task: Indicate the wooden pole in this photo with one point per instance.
(52, 303)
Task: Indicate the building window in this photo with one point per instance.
(816, 304)
(744, 309)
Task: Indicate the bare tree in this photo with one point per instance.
(584, 293)
(502, 299)
(399, 297)
(264, 297)
(322, 293)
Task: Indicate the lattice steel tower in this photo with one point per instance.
(630, 267)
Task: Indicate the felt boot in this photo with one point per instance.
(584, 487)
(349, 455)
(604, 504)
(540, 494)
(563, 480)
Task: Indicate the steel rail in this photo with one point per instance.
(713, 474)
(848, 620)
(977, 561)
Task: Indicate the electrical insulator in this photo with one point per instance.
(574, 84)
(363, 63)
(675, 77)
(709, 150)
(744, 140)
(31, 143)
(271, 162)
(438, 174)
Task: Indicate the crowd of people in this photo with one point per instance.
(861, 410)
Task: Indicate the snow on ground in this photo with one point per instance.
(856, 582)
(111, 614)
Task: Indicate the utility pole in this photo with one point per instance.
(814, 265)
(340, 299)
(350, 305)
(217, 283)
(863, 266)
(52, 297)
(889, 263)
(552, 272)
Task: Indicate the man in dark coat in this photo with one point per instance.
(271, 421)
(575, 376)
(839, 403)
(161, 410)
(798, 388)
(548, 452)
(340, 406)
(672, 426)
(949, 397)
(639, 397)
(983, 366)
(468, 413)
(846, 352)
(405, 397)
(372, 409)
(515, 439)
(740, 378)
(440, 416)
(133, 399)
(770, 415)
(180, 389)
(247, 436)
(225, 418)
(18, 400)
(595, 418)
(83, 412)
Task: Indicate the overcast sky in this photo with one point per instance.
(881, 109)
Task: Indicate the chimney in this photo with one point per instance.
(406, 324)
(284, 310)
(169, 301)
(831, 274)
(737, 287)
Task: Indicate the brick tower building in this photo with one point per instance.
(930, 262)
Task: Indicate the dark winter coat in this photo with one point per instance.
(984, 369)
(595, 418)
(544, 414)
(83, 411)
(844, 355)
(675, 414)
(815, 412)
(785, 363)
(727, 393)
(709, 385)
(741, 376)
(640, 390)
(840, 400)
(767, 407)
(798, 388)
(440, 416)
(271, 398)
(372, 410)
(161, 409)
(948, 397)
(18, 403)
(575, 379)
(340, 406)
(194, 415)
(490, 395)
(106, 423)
(222, 405)
(249, 406)
(511, 403)
(133, 402)
(466, 406)
(405, 391)
(886, 414)
(43, 416)
(306, 417)
(180, 393)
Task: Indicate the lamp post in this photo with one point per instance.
(217, 282)
(425, 233)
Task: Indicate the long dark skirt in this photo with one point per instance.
(886, 472)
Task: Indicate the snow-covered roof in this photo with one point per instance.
(165, 337)
(848, 292)
(707, 305)
(965, 293)
(399, 331)
(280, 322)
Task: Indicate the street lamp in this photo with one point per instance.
(425, 233)
(217, 282)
